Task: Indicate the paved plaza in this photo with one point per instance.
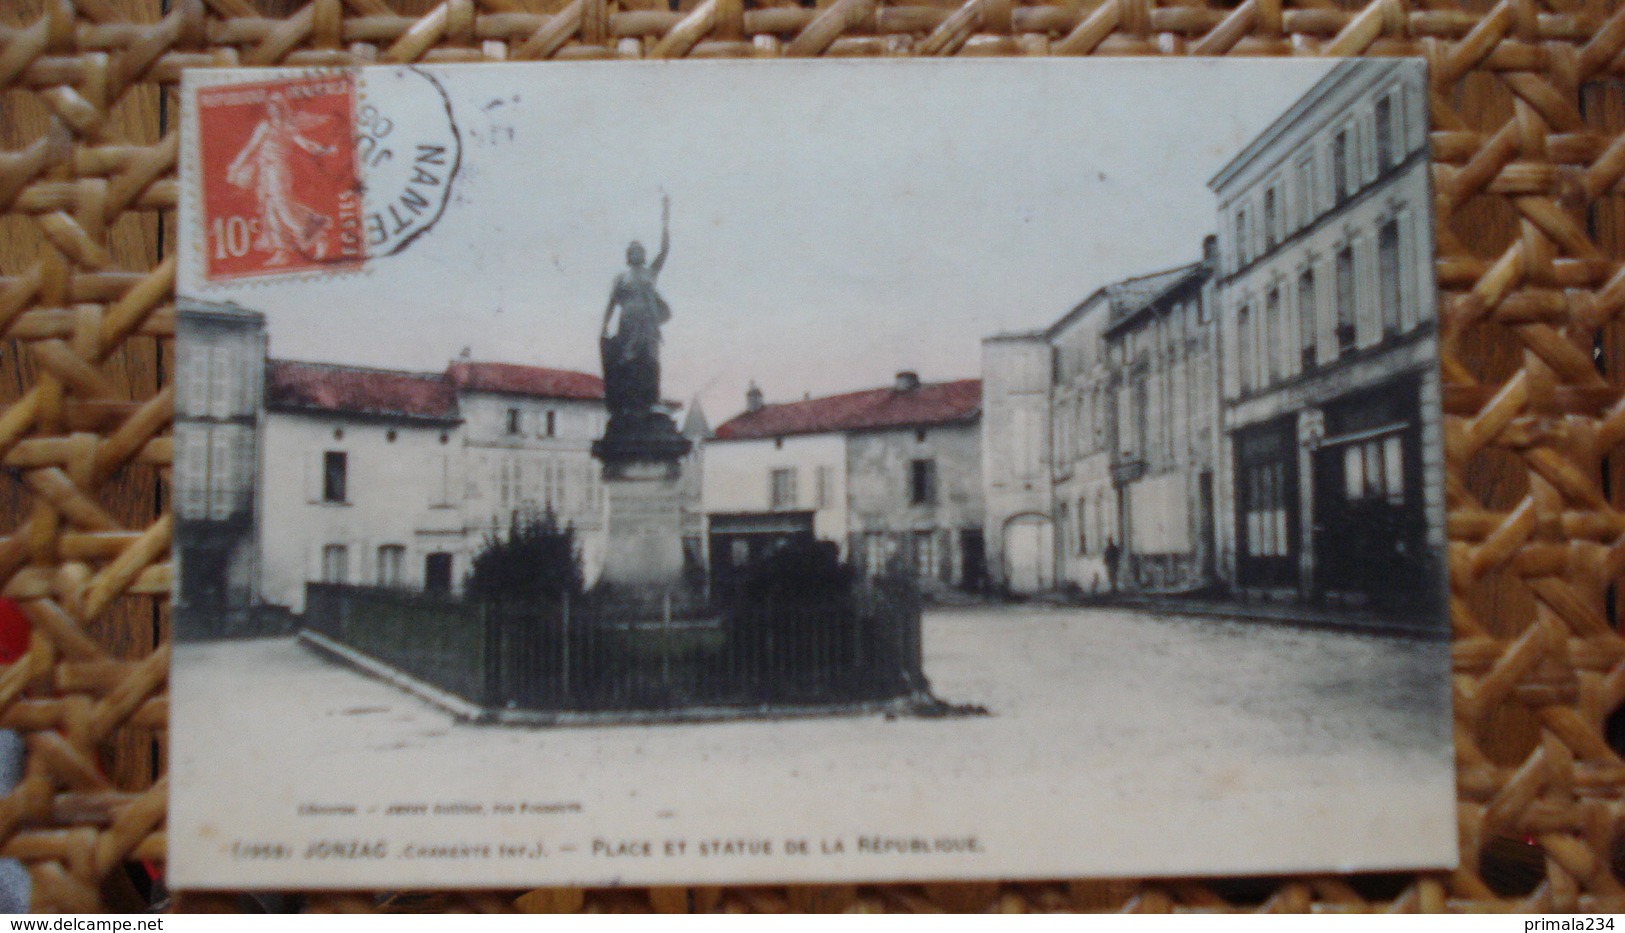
(1117, 743)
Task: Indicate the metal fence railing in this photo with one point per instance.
(612, 652)
(434, 638)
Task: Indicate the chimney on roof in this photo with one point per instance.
(907, 381)
(753, 397)
(1210, 249)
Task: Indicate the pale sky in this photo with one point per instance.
(832, 221)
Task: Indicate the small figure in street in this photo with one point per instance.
(1114, 554)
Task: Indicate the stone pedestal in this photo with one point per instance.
(644, 542)
(643, 496)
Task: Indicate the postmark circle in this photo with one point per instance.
(408, 152)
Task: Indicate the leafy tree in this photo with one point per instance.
(536, 560)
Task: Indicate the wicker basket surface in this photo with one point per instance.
(1529, 142)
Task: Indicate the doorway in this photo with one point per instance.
(1029, 553)
(437, 573)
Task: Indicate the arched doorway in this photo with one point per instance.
(1029, 557)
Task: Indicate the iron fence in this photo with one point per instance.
(609, 652)
(434, 638)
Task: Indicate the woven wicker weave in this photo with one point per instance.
(1529, 137)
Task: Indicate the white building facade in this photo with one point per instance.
(892, 478)
(1017, 373)
(397, 479)
(527, 448)
(1086, 516)
(1161, 356)
(1098, 441)
(1265, 420)
(1331, 425)
(219, 428)
(759, 491)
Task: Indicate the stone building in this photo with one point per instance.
(218, 435)
(1017, 372)
(1086, 517)
(362, 482)
(891, 476)
(527, 438)
(1099, 435)
(1160, 351)
(1331, 435)
(392, 478)
(759, 491)
(1265, 419)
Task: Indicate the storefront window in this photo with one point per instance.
(1375, 469)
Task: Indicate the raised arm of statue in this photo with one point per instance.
(665, 235)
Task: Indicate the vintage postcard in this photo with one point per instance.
(745, 472)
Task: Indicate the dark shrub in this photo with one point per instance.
(536, 561)
(802, 628)
(803, 571)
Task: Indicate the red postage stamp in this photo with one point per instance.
(281, 191)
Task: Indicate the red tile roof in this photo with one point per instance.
(290, 384)
(514, 379)
(931, 403)
(356, 390)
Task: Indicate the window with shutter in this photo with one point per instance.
(925, 553)
(783, 488)
(1273, 337)
(192, 459)
(221, 469)
(1272, 217)
(194, 381)
(1306, 318)
(220, 381)
(1345, 299)
(1386, 155)
(335, 476)
(391, 565)
(335, 564)
(923, 482)
(1393, 293)
(1306, 201)
(1342, 166)
(1244, 340)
